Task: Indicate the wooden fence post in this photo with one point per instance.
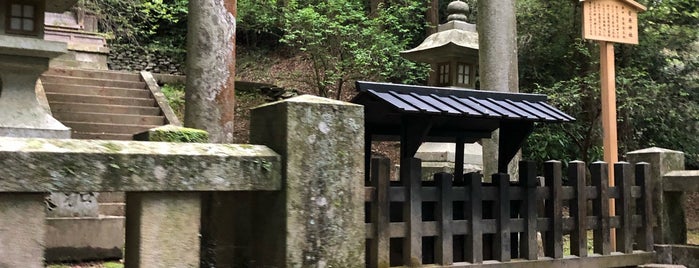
(502, 215)
(527, 177)
(600, 207)
(412, 211)
(645, 206)
(445, 242)
(379, 253)
(624, 182)
(554, 210)
(578, 208)
(474, 214)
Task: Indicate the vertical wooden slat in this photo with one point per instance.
(379, 254)
(445, 243)
(459, 160)
(624, 182)
(502, 216)
(474, 214)
(554, 237)
(578, 209)
(527, 176)
(645, 206)
(412, 248)
(600, 208)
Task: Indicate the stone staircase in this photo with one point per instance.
(98, 104)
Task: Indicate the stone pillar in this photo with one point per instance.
(670, 226)
(498, 71)
(317, 220)
(22, 230)
(162, 229)
(210, 92)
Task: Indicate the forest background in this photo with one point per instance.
(347, 40)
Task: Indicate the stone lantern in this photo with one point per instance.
(452, 51)
(453, 54)
(24, 56)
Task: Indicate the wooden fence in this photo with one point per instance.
(448, 223)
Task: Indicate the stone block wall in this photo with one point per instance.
(132, 58)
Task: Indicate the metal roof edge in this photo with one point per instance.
(363, 86)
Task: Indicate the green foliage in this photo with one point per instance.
(159, 23)
(657, 81)
(345, 44)
(113, 265)
(174, 93)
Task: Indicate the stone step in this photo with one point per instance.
(83, 81)
(111, 197)
(110, 118)
(112, 209)
(99, 74)
(96, 90)
(100, 136)
(107, 128)
(63, 107)
(92, 99)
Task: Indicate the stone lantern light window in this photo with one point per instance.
(443, 74)
(22, 18)
(463, 74)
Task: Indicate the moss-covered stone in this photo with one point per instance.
(50, 165)
(172, 133)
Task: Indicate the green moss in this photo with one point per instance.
(113, 265)
(111, 147)
(178, 134)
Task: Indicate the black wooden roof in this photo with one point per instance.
(416, 114)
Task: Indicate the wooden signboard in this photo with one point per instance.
(611, 20)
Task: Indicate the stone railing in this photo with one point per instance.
(301, 207)
(670, 183)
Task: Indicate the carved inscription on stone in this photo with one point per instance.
(610, 20)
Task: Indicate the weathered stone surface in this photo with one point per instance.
(322, 142)
(160, 99)
(22, 229)
(45, 165)
(162, 229)
(82, 239)
(210, 92)
(670, 226)
(678, 255)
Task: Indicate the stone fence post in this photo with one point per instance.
(670, 226)
(317, 219)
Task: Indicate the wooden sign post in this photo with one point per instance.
(609, 22)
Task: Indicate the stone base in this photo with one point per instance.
(431, 168)
(687, 255)
(83, 239)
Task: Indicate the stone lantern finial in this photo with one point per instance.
(457, 11)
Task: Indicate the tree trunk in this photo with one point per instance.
(210, 92)
(432, 16)
(497, 35)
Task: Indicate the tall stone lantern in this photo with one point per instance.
(24, 56)
(452, 53)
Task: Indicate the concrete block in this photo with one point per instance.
(317, 220)
(669, 226)
(85, 238)
(162, 229)
(23, 225)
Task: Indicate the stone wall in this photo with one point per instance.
(133, 58)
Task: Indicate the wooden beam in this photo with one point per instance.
(609, 129)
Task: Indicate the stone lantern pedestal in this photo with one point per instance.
(22, 61)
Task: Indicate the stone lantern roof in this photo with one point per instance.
(455, 39)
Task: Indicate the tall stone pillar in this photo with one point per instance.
(669, 227)
(498, 71)
(317, 219)
(210, 98)
(210, 92)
